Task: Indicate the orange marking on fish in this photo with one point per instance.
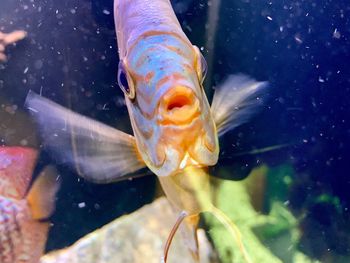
(176, 50)
(142, 59)
(188, 67)
(149, 77)
(156, 33)
(174, 76)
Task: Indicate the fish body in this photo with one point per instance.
(23, 229)
(170, 113)
(22, 238)
(176, 130)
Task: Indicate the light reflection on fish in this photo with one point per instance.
(175, 129)
(23, 216)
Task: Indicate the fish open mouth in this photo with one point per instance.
(179, 101)
(179, 106)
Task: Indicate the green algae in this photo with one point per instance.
(268, 237)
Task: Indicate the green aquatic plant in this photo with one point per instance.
(270, 237)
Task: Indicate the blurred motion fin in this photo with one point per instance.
(98, 152)
(235, 101)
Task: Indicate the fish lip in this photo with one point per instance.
(179, 105)
(184, 122)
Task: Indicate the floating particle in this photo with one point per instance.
(298, 39)
(320, 79)
(81, 205)
(269, 18)
(24, 142)
(106, 12)
(336, 34)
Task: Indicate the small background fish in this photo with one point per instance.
(23, 230)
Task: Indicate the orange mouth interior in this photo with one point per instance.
(178, 102)
(179, 106)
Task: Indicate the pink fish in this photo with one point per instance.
(176, 130)
(23, 216)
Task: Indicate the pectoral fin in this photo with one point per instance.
(98, 152)
(235, 101)
(41, 197)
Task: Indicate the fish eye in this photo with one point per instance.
(125, 81)
(201, 65)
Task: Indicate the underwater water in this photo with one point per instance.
(296, 146)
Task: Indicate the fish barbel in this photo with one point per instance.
(175, 129)
(23, 229)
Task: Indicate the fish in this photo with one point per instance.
(175, 130)
(24, 214)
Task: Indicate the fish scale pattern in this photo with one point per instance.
(22, 239)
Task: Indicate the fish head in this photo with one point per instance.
(169, 110)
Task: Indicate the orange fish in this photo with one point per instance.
(23, 216)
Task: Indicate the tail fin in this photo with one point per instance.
(41, 197)
(233, 229)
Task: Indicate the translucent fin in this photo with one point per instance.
(235, 101)
(98, 152)
(263, 150)
(41, 197)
